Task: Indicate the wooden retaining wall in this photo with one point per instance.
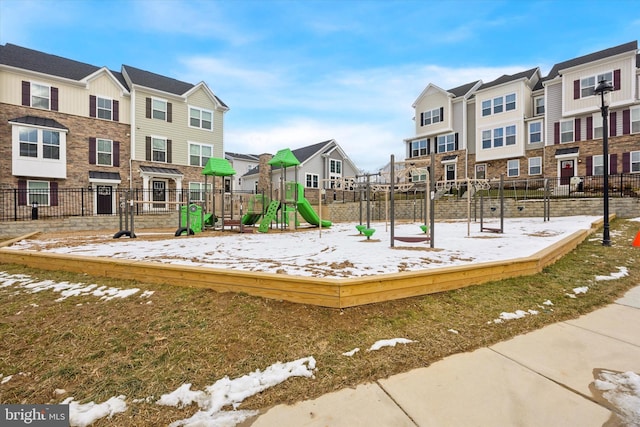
(326, 292)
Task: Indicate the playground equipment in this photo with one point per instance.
(125, 211)
(216, 167)
(501, 196)
(294, 196)
(405, 177)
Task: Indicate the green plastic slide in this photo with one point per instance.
(306, 211)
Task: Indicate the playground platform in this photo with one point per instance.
(327, 292)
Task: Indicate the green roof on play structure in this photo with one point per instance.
(218, 167)
(284, 158)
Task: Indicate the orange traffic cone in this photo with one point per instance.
(636, 241)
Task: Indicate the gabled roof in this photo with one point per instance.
(38, 121)
(33, 60)
(250, 157)
(612, 51)
(162, 83)
(464, 89)
(506, 78)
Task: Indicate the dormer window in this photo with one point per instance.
(104, 108)
(538, 103)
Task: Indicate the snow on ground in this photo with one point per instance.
(336, 252)
(309, 253)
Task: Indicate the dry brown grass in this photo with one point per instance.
(98, 349)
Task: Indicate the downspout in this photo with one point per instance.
(132, 140)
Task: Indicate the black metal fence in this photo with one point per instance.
(22, 205)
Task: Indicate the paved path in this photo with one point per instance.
(538, 379)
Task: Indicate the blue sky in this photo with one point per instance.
(299, 72)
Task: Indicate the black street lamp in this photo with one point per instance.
(602, 89)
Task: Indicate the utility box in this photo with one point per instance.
(193, 213)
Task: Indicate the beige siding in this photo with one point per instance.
(104, 86)
(178, 131)
(433, 99)
(588, 104)
(10, 88)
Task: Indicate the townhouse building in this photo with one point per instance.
(68, 125)
(526, 126)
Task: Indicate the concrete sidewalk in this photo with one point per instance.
(538, 379)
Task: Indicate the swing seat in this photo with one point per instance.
(412, 239)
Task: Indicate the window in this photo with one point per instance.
(597, 126)
(431, 117)
(510, 135)
(28, 142)
(40, 96)
(481, 171)
(446, 143)
(199, 118)
(419, 148)
(510, 102)
(497, 105)
(635, 161)
(335, 167)
(311, 180)
(486, 139)
(499, 137)
(588, 84)
(566, 131)
(598, 166)
(159, 150)
(535, 132)
(104, 152)
(30, 139)
(538, 104)
(199, 154)
(513, 167)
(486, 108)
(535, 166)
(498, 134)
(50, 145)
(197, 191)
(38, 192)
(159, 109)
(104, 108)
(635, 120)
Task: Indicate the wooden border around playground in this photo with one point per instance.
(326, 292)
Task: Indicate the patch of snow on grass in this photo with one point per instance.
(388, 343)
(622, 272)
(84, 414)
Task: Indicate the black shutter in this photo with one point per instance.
(54, 99)
(626, 122)
(168, 151)
(613, 125)
(576, 89)
(148, 148)
(616, 79)
(556, 133)
(22, 192)
(116, 154)
(626, 162)
(442, 114)
(428, 145)
(92, 151)
(92, 106)
(116, 111)
(577, 131)
(589, 166)
(421, 119)
(456, 137)
(589, 128)
(53, 193)
(169, 112)
(26, 94)
(613, 164)
(148, 108)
